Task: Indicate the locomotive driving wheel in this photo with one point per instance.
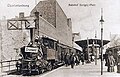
(42, 71)
(49, 66)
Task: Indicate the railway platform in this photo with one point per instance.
(86, 70)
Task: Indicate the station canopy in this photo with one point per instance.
(83, 43)
(76, 46)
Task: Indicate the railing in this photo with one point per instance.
(8, 64)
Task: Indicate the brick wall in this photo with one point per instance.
(53, 13)
(64, 29)
(47, 10)
(46, 29)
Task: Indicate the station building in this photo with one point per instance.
(53, 22)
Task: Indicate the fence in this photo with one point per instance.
(7, 64)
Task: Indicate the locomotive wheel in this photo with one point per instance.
(38, 72)
(49, 67)
(55, 65)
(42, 71)
(30, 72)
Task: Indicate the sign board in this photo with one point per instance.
(19, 23)
(31, 49)
(14, 25)
(30, 23)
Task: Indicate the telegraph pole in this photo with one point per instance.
(101, 22)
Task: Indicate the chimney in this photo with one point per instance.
(21, 15)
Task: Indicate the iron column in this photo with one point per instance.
(101, 21)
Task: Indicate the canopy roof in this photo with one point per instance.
(76, 46)
(83, 43)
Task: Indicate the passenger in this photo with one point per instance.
(82, 58)
(67, 59)
(72, 60)
(105, 56)
(91, 57)
(110, 62)
(77, 61)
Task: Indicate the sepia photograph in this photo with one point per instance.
(59, 38)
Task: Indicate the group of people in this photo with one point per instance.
(73, 59)
(110, 61)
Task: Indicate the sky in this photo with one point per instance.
(85, 19)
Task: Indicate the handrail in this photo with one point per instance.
(8, 61)
(7, 65)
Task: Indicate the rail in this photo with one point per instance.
(8, 64)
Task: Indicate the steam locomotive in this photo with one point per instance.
(45, 55)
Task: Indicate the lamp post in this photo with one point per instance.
(95, 48)
(101, 21)
(88, 50)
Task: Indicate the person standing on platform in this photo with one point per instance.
(82, 58)
(67, 57)
(110, 62)
(72, 60)
(77, 59)
(105, 57)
